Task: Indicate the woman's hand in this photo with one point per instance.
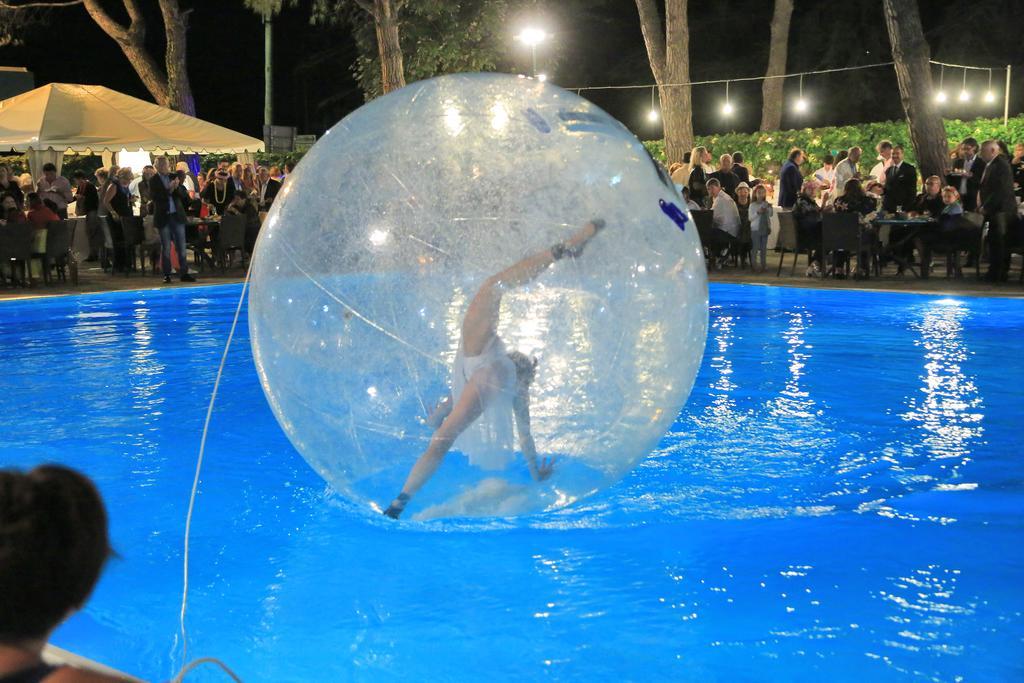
(543, 469)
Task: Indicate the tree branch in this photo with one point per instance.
(367, 6)
(40, 5)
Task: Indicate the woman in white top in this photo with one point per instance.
(490, 386)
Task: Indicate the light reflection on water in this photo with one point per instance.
(828, 506)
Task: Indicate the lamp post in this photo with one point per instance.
(532, 36)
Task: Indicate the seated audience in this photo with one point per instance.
(53, 546)
(930, 202)
(55, 188)
(9, 185)
(39, 214)
(218, 192)
(690, 204)
(807, 216)
(11, 213)
(726, 217)
(855, 200)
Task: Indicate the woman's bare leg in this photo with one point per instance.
(474, 399)
(481, 321)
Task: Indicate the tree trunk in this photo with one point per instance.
(392, 70)
(669, 56)
(771, 90)
(179, 89)
(132, 41)
(911, 54)
(171, 88)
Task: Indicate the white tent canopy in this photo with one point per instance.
(62, 118)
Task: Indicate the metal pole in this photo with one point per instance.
(534, 48)
(268, 71)
(1006, 99)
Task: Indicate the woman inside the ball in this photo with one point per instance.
(490, 386)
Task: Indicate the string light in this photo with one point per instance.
(990, 96)
(542, 77)
(727, 108)
(652, 115)
(964, 95)
(801, 104)
(940, 96)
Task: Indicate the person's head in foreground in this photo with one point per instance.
(53, 546)
(950, 195)
(49, 172)
(933, 185)
(808, 189)
(760, 194)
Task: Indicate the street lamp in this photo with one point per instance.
(532, 36)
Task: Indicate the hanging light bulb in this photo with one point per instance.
(652, 114)
(727, 108)
(940, 96)
(990, 96)
(800, 106)
(964, 95)
(542, 77)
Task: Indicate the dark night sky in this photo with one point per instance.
(603, 47)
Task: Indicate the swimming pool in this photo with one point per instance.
(840, 499)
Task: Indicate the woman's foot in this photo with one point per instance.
(574, 245)
(397, 506)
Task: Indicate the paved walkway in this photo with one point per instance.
(93, 279)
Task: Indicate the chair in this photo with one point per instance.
(16, 243)
(711, 240)
(789, 240)
(840, 232)
(58, 250)
(977, 219)
(150, 245)
(231, 237)
(131, 228)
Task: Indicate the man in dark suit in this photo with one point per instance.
(966, 175)
(790, 179)
(741, 171)
(726, 178)
(996, 201)
(169, 199)
(900, 183)
(268, 189)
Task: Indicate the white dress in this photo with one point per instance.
(488, 441)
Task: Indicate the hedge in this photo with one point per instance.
(89, 163)
(764, 152)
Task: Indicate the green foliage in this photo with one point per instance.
(262, 158)
(437, 37)
(764, 152)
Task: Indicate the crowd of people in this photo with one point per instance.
(983, 178)
(169, 197)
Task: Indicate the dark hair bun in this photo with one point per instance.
(53, 545)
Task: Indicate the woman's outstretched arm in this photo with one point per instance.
(539, 471)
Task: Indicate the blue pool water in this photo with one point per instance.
(841, 499)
